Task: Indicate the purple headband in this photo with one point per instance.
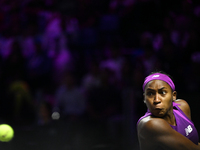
(159, 76)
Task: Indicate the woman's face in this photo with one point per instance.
(158, 97)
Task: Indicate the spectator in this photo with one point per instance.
(20, 108)
(69, 100)
(104, 107)
(15, 63)
(92, 78)
(39, 68)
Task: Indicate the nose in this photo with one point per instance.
(157, 99)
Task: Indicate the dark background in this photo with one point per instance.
(92, 56)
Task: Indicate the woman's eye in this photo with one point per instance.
(149, 93)
(163, 92)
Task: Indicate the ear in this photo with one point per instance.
(144, 98)
(174, 94)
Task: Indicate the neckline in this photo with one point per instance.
(175, 119)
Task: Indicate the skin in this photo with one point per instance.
(155, 132)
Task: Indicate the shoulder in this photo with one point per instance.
(184, 106)
(149, 126)
(182, 102)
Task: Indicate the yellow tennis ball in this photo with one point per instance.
(6, 133)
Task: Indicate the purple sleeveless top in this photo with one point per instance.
(183, 124)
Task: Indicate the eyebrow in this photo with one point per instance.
(158, 89)
(162, 88)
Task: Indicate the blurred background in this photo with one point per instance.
(71, 71)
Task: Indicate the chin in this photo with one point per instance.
(159, 114)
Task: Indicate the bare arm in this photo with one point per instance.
(156, 133)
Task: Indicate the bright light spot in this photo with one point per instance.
(55, 115)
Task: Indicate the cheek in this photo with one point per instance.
(169, 99)
(148, 104)
(168, 102)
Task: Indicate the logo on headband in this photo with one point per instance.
(155, 76)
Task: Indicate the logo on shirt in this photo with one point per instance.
(188, 130)
(155, 76)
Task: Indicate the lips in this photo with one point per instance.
(157, 108)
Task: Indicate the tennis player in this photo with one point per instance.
(167, 123)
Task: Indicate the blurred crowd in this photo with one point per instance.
(88, 58)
